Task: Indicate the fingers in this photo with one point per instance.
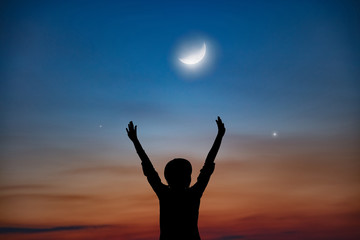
(131, 130)
(131, 126)
(221, 126)
(219, 121)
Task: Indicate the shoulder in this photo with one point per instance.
(162, 191)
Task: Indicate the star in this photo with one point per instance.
(274, 134)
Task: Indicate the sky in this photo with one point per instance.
(74, 73)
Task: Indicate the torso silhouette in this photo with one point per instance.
(179, 209)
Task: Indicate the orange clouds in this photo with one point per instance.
(295, 188)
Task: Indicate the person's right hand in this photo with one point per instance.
(221, 126)
(131, 131)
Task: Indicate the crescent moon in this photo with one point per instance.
(195, 57)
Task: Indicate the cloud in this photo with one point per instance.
(293, 144)
(290, 232)
(253, 217)
(24, 187)
(105, 169)
(232, 237)
(8, 230)
(51, 197)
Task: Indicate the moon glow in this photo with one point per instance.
(194, 58)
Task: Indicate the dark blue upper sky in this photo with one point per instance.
(68, 67)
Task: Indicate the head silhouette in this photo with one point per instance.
(178, 173)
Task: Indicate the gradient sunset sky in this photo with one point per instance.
(74, 73)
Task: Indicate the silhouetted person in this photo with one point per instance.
(179, 203)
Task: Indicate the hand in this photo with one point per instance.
(131, 131)
(221, 127)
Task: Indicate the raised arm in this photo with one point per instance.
(208, 168)
(132, 133)
(215, 147)
(148, 168)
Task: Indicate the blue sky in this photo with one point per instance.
(74, 73)
(69, 67)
